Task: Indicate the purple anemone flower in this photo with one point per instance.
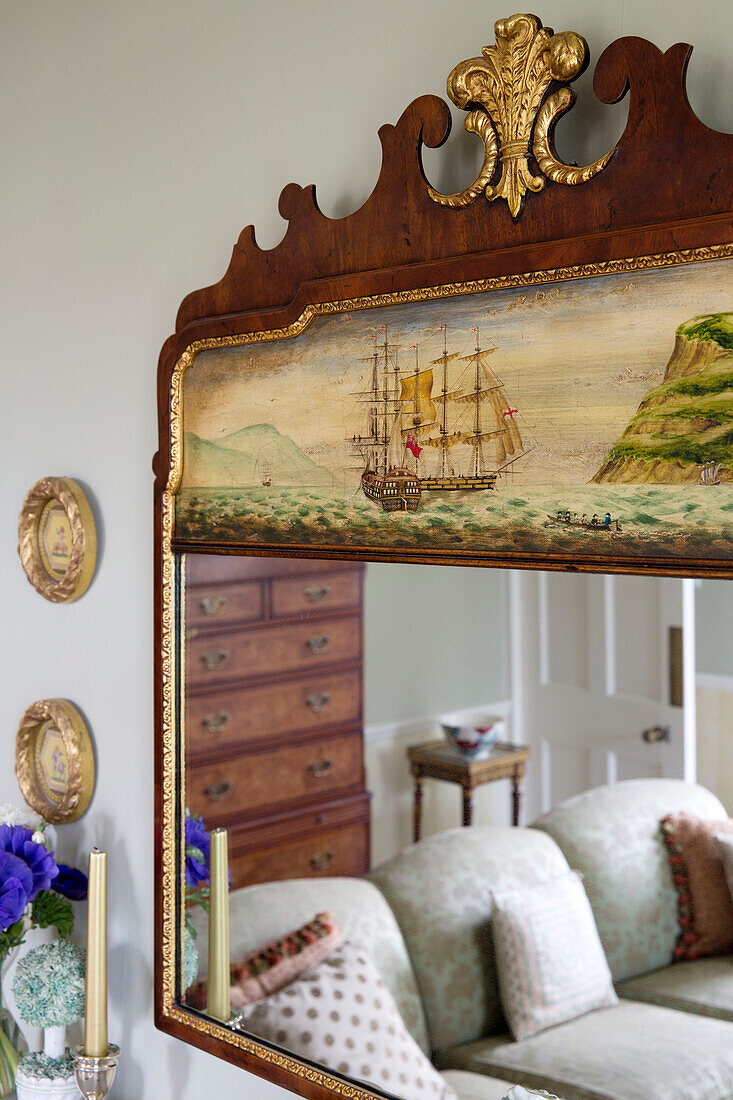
(71, 882)
(42, 865)
(197, 852)
(16, 883)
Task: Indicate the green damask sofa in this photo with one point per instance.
(425, 919)
(643, 1049)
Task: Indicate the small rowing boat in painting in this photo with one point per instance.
(565, 519)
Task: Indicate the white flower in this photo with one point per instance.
(20, 815)
(39, 838)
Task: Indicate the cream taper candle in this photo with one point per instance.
(218, 999)
(95, 1015)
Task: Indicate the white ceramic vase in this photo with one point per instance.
(45, 1088)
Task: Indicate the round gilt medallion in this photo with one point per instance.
(57, 539)
(54, 761)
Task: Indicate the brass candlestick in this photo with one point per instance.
(95, 1074)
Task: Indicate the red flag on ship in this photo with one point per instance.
(510, 412)
(413, 445)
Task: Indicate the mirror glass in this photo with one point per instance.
(330, 712)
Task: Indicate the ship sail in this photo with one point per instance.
(418, 409)
(470, 423)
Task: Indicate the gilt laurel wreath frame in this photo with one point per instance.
(662, 197)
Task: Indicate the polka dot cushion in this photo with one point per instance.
(341, 1015)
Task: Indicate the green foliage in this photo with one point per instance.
(681, 448)
(11, 937)
(706, 383)
(49, 908)
(717, 327)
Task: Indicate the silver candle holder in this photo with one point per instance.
(95, 1076)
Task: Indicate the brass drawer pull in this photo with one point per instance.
(213, 605)
(319, 643)
(215, 659)
(318, 701)
(320, 768)
(317, 592)
(218, 791)
(321, 860)
(215, 723)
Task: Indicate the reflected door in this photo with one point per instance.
(603, 680)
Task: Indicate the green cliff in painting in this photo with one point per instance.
(684, 426)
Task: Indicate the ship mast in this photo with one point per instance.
(375, 444)
(477, 426)
(444, 429)
(417, 406)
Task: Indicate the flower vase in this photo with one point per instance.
(35, 1083)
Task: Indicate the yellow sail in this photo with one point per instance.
(454, 395)
(450, 439)
(417, 406)
(505, 415)
(445, 358)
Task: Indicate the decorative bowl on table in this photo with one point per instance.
(472, 736)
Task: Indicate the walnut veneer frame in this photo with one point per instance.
(662, 197)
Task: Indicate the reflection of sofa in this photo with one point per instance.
(432, 945)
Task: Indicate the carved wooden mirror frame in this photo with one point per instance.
(662, 197)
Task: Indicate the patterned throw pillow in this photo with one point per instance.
(341, 1015)
(549, 957)
(704, 904)
(270, 968)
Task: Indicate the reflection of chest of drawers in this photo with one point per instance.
(273, 726)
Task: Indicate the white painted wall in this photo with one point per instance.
(435, 640)
(714, 628)
(136, 141)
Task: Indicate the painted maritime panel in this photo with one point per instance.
(586, 417)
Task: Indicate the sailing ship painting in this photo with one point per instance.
(460, 406)
(588, 416)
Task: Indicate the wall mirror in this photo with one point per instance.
(533, 373)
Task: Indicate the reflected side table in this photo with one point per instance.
(440, 760)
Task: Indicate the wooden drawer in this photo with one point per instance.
(227, 719)
(212, 605)
(223, 568)
(272, 650)
(247, 783)
(308, 594)
(343, 851)
(271, 830)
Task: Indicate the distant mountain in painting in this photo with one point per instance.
(683, 428)
(255, 455)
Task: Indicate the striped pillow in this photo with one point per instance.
(549, 957)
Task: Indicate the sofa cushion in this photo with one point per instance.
(724, 844)
(704, 904)
(611, 835)
(704, 987)
(476, 1086)
(341, 1015)
(440, 892)
(258, 914)
(549, 957)
(630, 1052)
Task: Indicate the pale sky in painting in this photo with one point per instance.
(575, 359)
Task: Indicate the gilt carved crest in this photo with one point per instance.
(506, 95)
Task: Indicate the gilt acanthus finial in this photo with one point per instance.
(505, 94)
